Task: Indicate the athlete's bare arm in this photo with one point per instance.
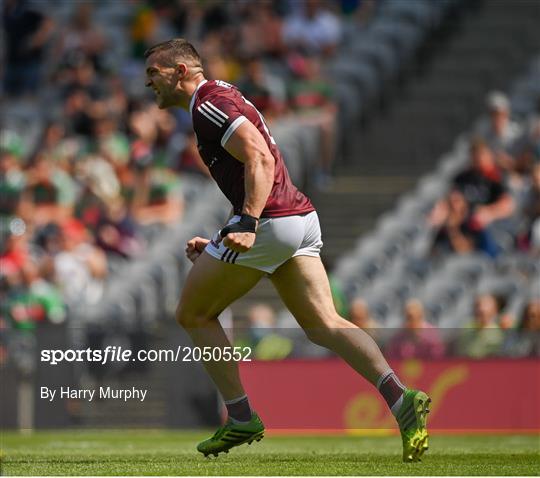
(248, 146)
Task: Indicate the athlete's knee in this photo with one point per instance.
(325, 329)
(188, 319)
(316, 335)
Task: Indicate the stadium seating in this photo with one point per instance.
(371, 60)
(446, 285)
(391, 264)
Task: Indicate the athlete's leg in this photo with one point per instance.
(210, 287)
(303, 285)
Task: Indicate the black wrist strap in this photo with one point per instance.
(249, 220)
(246, 223)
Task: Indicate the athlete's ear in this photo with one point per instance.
(182, 70)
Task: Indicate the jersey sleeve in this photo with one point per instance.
(217, 119)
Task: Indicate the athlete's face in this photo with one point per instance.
(163, 79)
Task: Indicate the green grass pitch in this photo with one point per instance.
(130, 452)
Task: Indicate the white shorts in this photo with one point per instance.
(278, 239)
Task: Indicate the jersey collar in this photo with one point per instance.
(194, 95)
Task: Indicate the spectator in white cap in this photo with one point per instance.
(500, 132)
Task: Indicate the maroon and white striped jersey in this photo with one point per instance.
(217, 109)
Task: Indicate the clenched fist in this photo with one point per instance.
(240, 236)
(239, 241)
(195, 247)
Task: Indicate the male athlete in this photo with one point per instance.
(274, 231)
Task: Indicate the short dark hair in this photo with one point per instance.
(175, 50)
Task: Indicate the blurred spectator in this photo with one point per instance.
(80, 266)
(220, 52)
(267, 342)
(83, 36)
(220, 66)
(482, 186)
(312, 29)
(500, 133)
(51, 143)
(261, 30)
(26, 33)
(309, 90)
(418, 339)
(507, 321)
(156, 194)
(78, 114)
(48, 239)
(116, 231)
(43, 293)
(534, 136)
(99, 176)
(535, 237)
(487, 201)
(112, 143)
(360, 316)
(157, 198)
(531, 209)
(49, 194)
(265, 91)
(144, 129)
(525, 340)
(518, 179)
(15, 246)
(19, 307)
(216, 17)
(143, 29)
(4, 341)
(24, 299)
(261, 320)
(90, 205)
(483, 337)
(458, 233)
(311, 99)
(82, 75)
(12, 178)
(185, 17)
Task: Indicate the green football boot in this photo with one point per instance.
(412, 424)
(232, 434)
